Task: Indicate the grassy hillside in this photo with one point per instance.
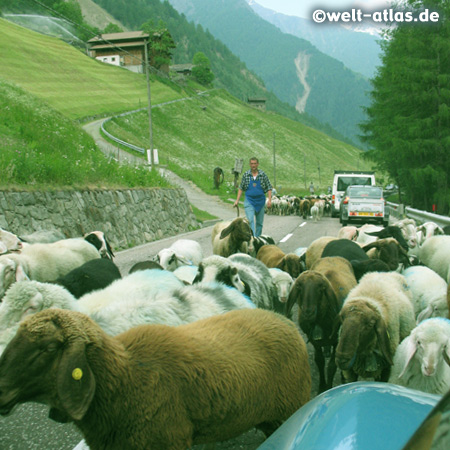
(68, 80)
(41, 148)
(195, 136)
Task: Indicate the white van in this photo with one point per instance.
(342, 180)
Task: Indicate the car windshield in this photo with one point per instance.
(365, 192)
(345, 182)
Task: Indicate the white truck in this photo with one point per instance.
(345, 178)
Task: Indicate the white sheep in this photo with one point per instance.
(426, 230)
(283, 282)
(150, 296)
(155, 386)
(376, 316)
(44, 262)
(315, 212)
(9, 242)
(429, 292)
(435, 254)
(181, 252)
(422, 360)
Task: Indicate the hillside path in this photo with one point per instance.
(209, 203)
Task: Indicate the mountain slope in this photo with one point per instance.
(193, 135)
(358, 51)
(231, 73)
(337, 93)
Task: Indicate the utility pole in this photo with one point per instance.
(304, 168)
(147, 72)
(274, 164)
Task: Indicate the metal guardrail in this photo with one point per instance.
(399, 211)
(131, 146)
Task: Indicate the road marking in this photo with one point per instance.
(302, 224)
(286, 237)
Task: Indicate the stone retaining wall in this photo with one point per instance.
(128, 217)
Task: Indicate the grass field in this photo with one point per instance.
(68, 80)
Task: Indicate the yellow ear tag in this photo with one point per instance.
(77, 374)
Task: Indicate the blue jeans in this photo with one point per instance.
(256, 219)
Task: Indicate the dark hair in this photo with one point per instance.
(254, 159)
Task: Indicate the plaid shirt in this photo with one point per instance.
(247, 178)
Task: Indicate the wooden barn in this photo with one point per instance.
(121, 49)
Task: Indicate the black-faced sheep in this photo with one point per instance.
(44, 262)
(99, 241)
(159, 387)
(273, 257)
(231, 237)
(319, 294)
(375, 317)
(244, 273)
(92, 275)
(422, 360)
(257, 242)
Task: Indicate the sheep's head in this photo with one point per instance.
(10, 272)
(429, 345)
(98, 240)
(291, 264)
(11, 243)
(217, 268)
(362, 331)
(315, 298)
(46, 362)
(240, 230)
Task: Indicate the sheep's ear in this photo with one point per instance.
(331, 297)
(425, 314)
(34, 305)
(199, 275)
(294, 294)
(447, 353)
(384, 340)
(20, 274)
(75, 381)
(410, 351)
(226, 231)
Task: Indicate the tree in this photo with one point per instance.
(408, 126)
(161, 44)
(201, 70)
(112, 28)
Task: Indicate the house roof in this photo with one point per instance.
(117, 45)
(114, 37)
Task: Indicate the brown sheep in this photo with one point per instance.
(231, 237)
(155, 386)
(305, 206)
(315, 249)
(375, 317)
(319, 294)
(389, 251)
(273, 257)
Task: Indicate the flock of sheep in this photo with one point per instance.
(187, 349)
